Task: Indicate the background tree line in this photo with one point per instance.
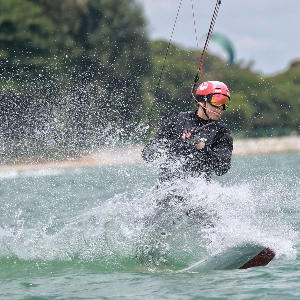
(76, 75)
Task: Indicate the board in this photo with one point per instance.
(239, 257)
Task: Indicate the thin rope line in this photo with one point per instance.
(167, 50)
(211, 27)
(196, 31)
(162, 69)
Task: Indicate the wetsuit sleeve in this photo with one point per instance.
(219, 154)
(161, 140)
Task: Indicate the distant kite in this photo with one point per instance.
(224, 44)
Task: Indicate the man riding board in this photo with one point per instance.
(194, 144)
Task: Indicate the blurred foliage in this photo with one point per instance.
(260, 106)
(69, 71)
(80, 74)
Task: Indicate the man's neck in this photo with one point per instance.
(201, 114)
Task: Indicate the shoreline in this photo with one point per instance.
(269, 145)
(132, 155)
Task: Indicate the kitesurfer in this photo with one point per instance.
(194, 144)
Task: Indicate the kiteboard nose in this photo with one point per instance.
(260, 260)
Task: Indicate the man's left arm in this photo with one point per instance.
(219, 153)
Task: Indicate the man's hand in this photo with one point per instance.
(200, 145)
(200, 139)
(187, 135)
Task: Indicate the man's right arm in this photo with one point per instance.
(159, 144)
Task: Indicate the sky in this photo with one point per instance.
(266, 32)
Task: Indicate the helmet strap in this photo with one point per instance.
(204, 108)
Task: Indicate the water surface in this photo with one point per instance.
(95, 233)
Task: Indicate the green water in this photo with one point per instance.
(92, 233)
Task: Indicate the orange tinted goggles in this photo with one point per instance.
(218, 100)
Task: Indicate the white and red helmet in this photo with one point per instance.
(212, 87)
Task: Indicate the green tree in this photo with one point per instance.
(80, 62)
(25, 32)
(260, 105)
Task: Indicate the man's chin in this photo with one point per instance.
(215, 117)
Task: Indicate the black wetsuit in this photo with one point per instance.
(182, 158)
